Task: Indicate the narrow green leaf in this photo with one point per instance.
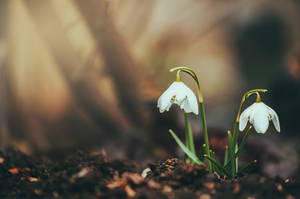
(189, 135)
(220, 167)
(240, 148)
(243, 141)
(249, 167)
(235, 142)
(214, 167)
(185, 149)
(226, 156)
(228, 165)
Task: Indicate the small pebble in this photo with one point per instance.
(33, 179)
(83, 172)
(279, 187)
(209, 185)
(167, 189)
(205, 196)
(55, 194)
(38, 192)
(289, 197)
(262, 180)
(236, 188)
(146, 172)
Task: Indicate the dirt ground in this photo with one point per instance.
(92, 175)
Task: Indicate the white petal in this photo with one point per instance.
(191, 102)
(179, 94)
(188, 106)
(243, 122)
(275, 121)
(274, 118)
(260, 119)
(164, 101)
(245, 116)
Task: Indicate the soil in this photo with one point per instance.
(92, 175)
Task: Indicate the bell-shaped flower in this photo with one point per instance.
(259, 115)
(178, 93)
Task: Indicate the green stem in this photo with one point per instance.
(235, 132)
(205, 134)
(189, 136)
(202, 110)
(232, 154)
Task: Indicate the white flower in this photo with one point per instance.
(259, 115)
(178, 93)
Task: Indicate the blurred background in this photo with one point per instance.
(87, 74)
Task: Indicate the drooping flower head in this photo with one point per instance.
(178, 93)
(259, 115)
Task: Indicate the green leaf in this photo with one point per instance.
(226, 156)
(185, 149)
(218, 165)
(249, 167)
(243, 141)
(236, 147)
(240, 148)
(189, 135)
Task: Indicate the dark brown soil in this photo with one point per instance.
(91, 175)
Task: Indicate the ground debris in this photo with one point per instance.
(91, 175)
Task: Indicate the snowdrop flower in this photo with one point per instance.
(259, 115)
(178, 93)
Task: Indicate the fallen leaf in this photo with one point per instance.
(129, 191)
(134, 177)
(14, 170)
(153, 184)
